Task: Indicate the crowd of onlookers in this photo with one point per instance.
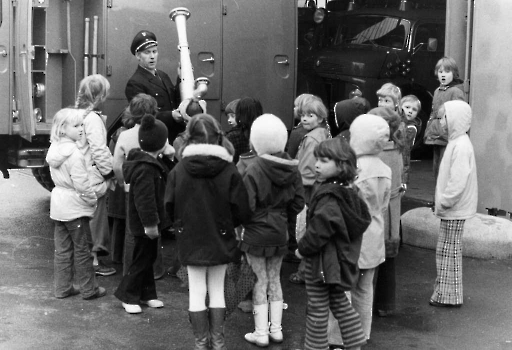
(257, 195)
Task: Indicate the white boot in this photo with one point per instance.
(276, 315)
(260, 334)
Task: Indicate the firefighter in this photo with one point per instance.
(152, 81)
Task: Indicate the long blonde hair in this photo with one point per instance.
(62, 118)
(93, 91)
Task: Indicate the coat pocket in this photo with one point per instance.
(98, 182)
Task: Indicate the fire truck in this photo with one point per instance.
(244, 48)
(372, 44)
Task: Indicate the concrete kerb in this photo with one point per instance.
(485, 236)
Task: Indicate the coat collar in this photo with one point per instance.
(204, 149)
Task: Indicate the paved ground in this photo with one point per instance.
(31, 318)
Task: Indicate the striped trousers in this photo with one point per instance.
(321, 298)
(448, 285)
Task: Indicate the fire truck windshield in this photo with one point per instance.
(383, 31)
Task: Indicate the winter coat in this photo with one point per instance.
(434, 135)
(146, 177)
(275, 192)
(241, 144)
(95, 149)
(337, 219)
(207, 199)
(296, 136)
(369, 135)
(127, 140)
(305, 154)
(73, 196)
(164, 92)
(412, 130)
(244, 161)
(392, 157)
(457, 187)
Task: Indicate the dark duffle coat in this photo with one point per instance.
(207, 199)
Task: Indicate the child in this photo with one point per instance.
(410, 106)
(346, 111)
(368, 136)
(389, 95)
(313, 117)
(139, 106)
(451, 88)
(146, 178)
(247, 110)
(207, 199)
(337, 219)
(92, 92)
(231, 112)
(456, 201)
(73, 202)
(274, 186)
(385, 279)
(187, 109)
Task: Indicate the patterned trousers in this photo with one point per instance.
(448, 285)
(321, 298)
(267, 271)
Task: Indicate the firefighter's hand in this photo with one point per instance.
(297, 254)
(176, 115)
(152, 232)
(169, 151)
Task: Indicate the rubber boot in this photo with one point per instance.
(276, 315)
(217, 317)
(260, 334)
(199, 321)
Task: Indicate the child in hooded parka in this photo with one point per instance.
(275, 190)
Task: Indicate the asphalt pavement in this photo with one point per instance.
(31, 318)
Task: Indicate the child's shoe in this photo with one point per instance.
(71, 293)
(152, 303)
(132, 308)
(101, 292)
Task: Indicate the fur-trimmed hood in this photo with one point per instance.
(205, 160)
(279, 167)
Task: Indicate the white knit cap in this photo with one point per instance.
(268, 135)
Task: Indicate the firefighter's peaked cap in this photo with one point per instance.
(142, 41)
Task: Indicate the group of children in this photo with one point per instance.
(351, 185)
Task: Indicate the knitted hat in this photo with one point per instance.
(268, 135)
(390, 116)
(152, 134)
(143, 40)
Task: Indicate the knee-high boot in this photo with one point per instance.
(199, 321)
(217, 317)
(260, 334)
(276, 315)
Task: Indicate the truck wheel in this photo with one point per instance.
(44, 178)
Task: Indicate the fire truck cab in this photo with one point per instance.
(244, 48)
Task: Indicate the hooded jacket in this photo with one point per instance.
(146, 177)
(457, 188)
(434, 135)
(207, 199)
(347, 110)
(369, 135)
(337, 219)
(275, 192)
(94, 146)
(72, 197)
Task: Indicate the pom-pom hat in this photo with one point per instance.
(152, 134)
(143, 40)
(268, 135)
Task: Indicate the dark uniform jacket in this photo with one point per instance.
(206, 198)
(146, 177)
(163, 90)
(337, 219)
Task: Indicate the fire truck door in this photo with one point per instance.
(5, 95)
(23, 67)
(259, 48)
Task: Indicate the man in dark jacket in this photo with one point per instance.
(152, 81)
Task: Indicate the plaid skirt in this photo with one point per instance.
(448, 285)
